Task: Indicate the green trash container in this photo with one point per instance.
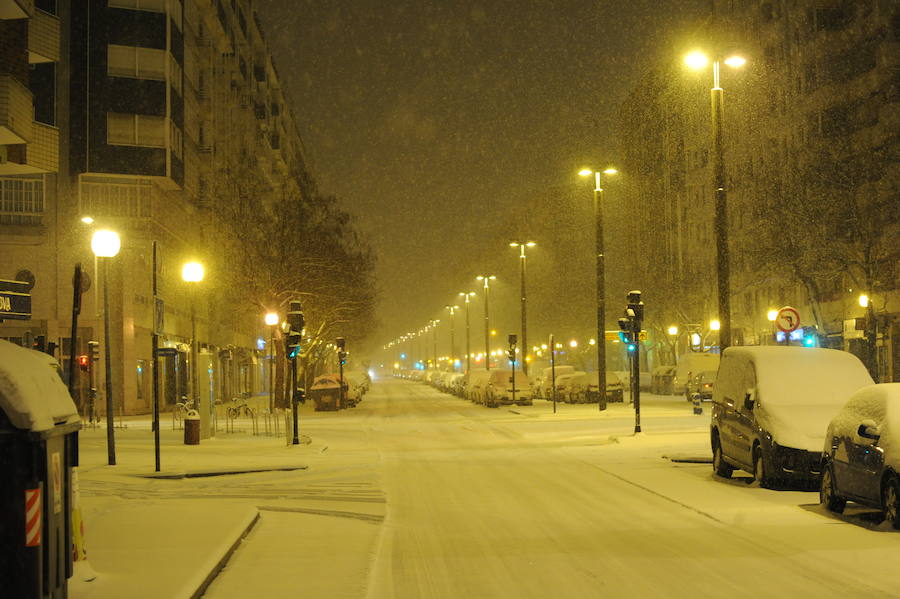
(38, 448)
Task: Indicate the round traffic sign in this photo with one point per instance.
(788, 319)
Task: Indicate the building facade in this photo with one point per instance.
(168, 106)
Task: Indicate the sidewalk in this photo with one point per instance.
(147, 534)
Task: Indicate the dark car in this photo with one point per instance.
(861, 459)
(772, 405)
(701, 384)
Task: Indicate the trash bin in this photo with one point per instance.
(39, 426)
(192, 428)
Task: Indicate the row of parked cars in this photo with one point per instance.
(808, 416)
(326, 390)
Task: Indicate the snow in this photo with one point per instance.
(32, 395)
(416, 493)
(799, 389)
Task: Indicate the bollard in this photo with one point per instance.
(698, 407)
(192, 428)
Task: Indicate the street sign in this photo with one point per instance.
(15, 301)
(614, 335)
(788, 319)
(166, 352)
(642, 336)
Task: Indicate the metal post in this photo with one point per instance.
(524, 319)
(154, 339)
(272, 370)
(73, 336)
(452, 340)
(601, 288)
(468, 345)
(195, 392)
(293, 396)
(636, 373)
(110, 431)
(721, 211)
(487, 327)
(341, 375)
(553, 372)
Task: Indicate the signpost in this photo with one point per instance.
(15, 300)
(787, 321)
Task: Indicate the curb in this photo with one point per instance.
(204, 474)
(223, 561)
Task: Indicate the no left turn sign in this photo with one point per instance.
(788, 319)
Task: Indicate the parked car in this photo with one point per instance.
(615, 389)
(861, 458)
(772, 405)
(545, 387)
(663, 378)
(702, 384)
(499, 389)
(326, 392)
(565, 386)
(475, 385)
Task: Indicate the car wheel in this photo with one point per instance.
(827, 497)
(759, 469)
(720, 466)
(890, 502)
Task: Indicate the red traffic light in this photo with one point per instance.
(83, 362)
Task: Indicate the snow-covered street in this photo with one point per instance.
(420, 494)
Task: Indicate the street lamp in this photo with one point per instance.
(522, 245)
(468, 295)
(433, 324)
(271, 319)
(871, 335)
(486, 279)
(192, 272)
(698, 60)
(601, 279)
(452, 310)
(105, 245)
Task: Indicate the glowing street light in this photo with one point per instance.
(486, 279)
(772, 315)
(697, 60)
(601, 275)
(522, 245)
(673, 330)
(715, 325)
(192, 272)
(105, 245)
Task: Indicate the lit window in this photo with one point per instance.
(136, 130)
(152, 5)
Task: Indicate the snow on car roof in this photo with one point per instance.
(32, 395)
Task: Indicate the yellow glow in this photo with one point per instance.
(528, 358)
(592, 341)
(586, 172)
(673, 330)
(714, 325)
(396, 365)
(696, 60)
(573, 343)
(192, 272)
(772, 315)
(863, 300)
(735, 62)
(493, 332)
(530, 244)
(87, 220)
(610, 171)
(271, 319)
(513, 244)
(105, 244)
(543, 346)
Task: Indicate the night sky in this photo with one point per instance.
(435, 122)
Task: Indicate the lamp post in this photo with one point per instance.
(697, 60)
(433, 324)
(452, 310)
(601, 275)
(192, 273)
(468, 295)
(486, 279)
(271, 319)
(522, 245)
(871, 333)
(105, 245)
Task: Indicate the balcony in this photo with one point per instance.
(16, 9)
(41, 155)
(43, 38)
(16, 111)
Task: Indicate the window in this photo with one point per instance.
(114, 197)
(132, 61)
(21, 201)
(152, 5)
(175, 138)
(175, 75)
(136, 130)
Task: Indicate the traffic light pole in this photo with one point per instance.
(601, 290)
(154, 340)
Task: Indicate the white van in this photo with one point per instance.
(690, 365)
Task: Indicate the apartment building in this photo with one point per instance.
(170, 106)
(811, 158)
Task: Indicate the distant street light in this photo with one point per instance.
(697, 60)
(524, 326)
(105, 245)
(192, 272)
(486, 279)
(433, 324)
(467, 295)
(715, 325)
(271, 319)
(601, 275)
(673, 330)
(452, 310)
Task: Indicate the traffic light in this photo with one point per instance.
(626, 335)
(84, 363)
(631, 347)
(94, 351)
(511, 353)
(292, 344)
(300, 395)
(810, 337)
(295, 316)
(40, 343)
